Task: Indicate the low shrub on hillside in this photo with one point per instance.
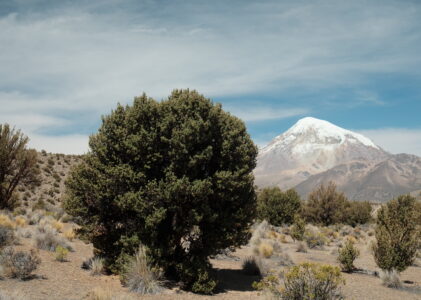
(298, 228)
(47, 238)
(96, 265)
(306, 281)
(61, 253)
(315, 240)
(7, 236)
(346, 256)
(18, 264)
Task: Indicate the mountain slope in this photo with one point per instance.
(315, 151)
(309, 147)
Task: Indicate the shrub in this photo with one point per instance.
(57, 225)
(347, 255)
(301, 247)
(298, 228)
(312, 281)
(390, 279)
(357, 213)
(7, 236)
(96, 265)
(325, 205)
(174, 175)
(397, 234)
(265, 250)
(140, 277)
(47, 238)
(276, 206)
(314, 239)
(306, 281)
(18, 264)
(253, 265)
(61, 253)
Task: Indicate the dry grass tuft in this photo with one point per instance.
(302, 247)
(57, 225)
(97, 266)
(70, 234)
(140, 277)
(391, 279)
(20, 221)
(265, 250)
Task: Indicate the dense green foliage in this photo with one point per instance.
(276, 206)
(17, 165)
(397, 234)
(327, 206)
(174, 175)
(346, 256)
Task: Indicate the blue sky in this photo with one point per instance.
(355, 63)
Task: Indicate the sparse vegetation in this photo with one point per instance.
(179, 181)
(305, 281)
(18, 264)
(61, 253)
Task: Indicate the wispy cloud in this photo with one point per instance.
(59, 59)
(396, 140)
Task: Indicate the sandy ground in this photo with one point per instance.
(67, 280)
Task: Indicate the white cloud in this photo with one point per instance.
(87, 56)
(67, 144)
(396, 140)
(253, 113)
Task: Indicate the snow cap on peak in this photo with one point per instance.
(325, 129)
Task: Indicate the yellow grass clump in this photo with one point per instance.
(6, 222)
(57, 225)
(70, 234)
(265, 250)
(20, 221)
(283, 238)
(351, 238)
(272, 234)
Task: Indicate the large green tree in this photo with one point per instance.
(17, 165)
(174, 175)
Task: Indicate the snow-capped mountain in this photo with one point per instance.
(309, 147)
(314, 151)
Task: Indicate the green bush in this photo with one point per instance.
(306, 281)
(346, 256)
(61, 253)
(357, 213)
(298, 228)
(397, 234)
(276, 206)
(174, 175)
(325, 205)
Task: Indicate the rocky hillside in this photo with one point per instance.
(54, 169)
